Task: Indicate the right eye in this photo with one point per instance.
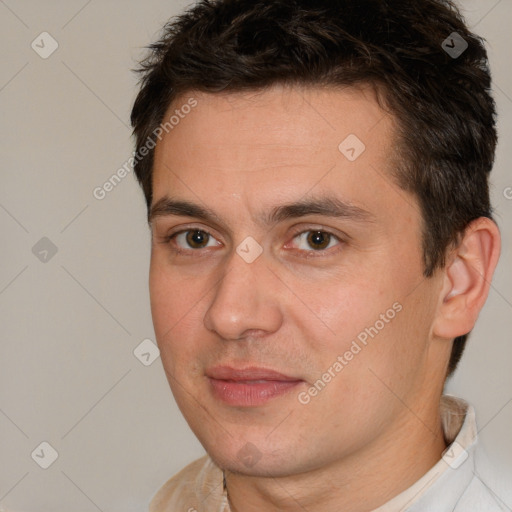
(193, 239)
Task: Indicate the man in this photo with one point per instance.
(322, 243)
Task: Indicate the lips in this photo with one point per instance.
(247, 374)
(249, 387)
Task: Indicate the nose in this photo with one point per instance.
(245, 301)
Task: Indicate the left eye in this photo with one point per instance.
(195, 239)
(316, 240)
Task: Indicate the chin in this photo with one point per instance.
(253, 465)
(255, 456)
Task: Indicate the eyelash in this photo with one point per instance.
(310, 253)
(178, 250)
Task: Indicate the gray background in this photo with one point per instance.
(69, 325)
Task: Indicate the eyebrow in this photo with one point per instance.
(327, 206)
(167, 206)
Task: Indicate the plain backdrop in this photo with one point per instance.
(74, 269)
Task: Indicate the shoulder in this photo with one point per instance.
(187, 490)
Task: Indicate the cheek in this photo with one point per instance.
(179, 302)
(163, 300)
(173, 293)
(340, 309)
(175, 304)
(370, 319)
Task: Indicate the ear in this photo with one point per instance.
(467, 278)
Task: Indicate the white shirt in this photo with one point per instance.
(454, 484)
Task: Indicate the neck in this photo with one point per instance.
(359, 483)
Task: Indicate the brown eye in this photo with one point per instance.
(197, 239)
(318, 239)
(315, 240)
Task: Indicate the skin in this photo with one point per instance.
(374, 429)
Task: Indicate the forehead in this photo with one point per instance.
(232, 127)
(277, 145)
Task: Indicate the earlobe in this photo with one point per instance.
(467, 279)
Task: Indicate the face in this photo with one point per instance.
(286, 279)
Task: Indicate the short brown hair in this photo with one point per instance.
(441, 100)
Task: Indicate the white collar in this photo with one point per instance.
(441, 487)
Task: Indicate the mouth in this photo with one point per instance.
(249, 387)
